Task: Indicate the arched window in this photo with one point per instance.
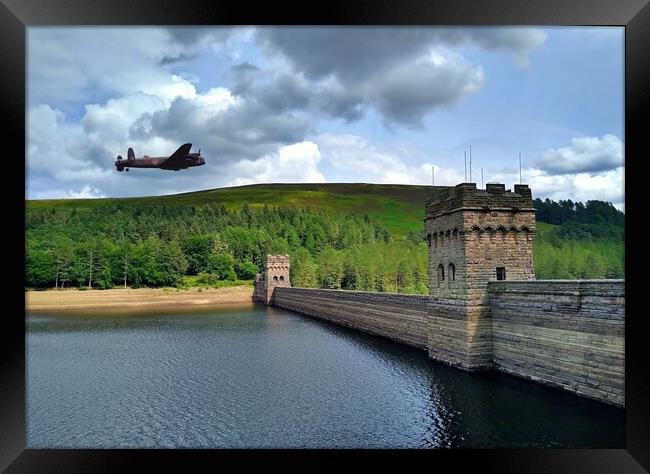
(451, 272)
(281, 278)
(441, 273)
(275, 279)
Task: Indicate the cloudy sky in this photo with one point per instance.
(342, 104)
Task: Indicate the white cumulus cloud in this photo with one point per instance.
(87, 192)
(361, 161)
(297, 163)
(605, 186)
(583, 155)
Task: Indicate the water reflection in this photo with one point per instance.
(252, 376)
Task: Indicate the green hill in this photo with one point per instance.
(399, 208)
(353, 236)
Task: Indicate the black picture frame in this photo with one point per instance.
(17, 15)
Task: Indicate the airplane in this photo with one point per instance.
(180, 159)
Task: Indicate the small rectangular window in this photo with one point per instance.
(501, 273)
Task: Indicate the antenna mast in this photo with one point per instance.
(433, 176)
(519, 167)
(470, 163)
(481, 177)
(465, 165)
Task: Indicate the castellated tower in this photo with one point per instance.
(276, 273)
(276, 270)
(474, 236)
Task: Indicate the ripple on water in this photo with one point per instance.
(268, 378)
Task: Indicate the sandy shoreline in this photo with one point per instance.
(140, 298)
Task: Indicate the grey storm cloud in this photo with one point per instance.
(583, 155)
(348, 69)
(402, 94)
(357, 52)
(350, 53)
(176, 59)
(285, 93)
(243, 75)
(246, 130)
(342, 102)
(189, 39)
(190, 36)
(405, 94)
(280, 91)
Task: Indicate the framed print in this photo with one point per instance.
(355, 232)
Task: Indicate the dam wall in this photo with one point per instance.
(403, 318)
(485, 309)
(566, 334)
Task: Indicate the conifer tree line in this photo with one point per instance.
(134, 246)
(588, 241)
(157, 245)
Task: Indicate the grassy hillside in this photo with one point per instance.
(399, 208)
(353, 236)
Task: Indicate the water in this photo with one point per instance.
(257, 377)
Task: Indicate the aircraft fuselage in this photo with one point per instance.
(158, 162)
(180, 160)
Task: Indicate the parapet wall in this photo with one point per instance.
(400, 317)
(564, 333)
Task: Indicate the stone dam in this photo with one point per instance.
(485, 310)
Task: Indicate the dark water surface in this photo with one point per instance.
(252, 376)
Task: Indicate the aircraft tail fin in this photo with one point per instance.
(131, 155)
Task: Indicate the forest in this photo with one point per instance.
(208, 244)
(576, 240)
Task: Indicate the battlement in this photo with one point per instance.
(476, 236)
(277, 261)
(465, 196)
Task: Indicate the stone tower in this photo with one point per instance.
(276, 273)
(474, 236)
(276, 270)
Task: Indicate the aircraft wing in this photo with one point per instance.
(178, 157)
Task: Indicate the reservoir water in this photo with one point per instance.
(250, 376)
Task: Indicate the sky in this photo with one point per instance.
(326, 104)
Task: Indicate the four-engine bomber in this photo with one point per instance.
(181, 159)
